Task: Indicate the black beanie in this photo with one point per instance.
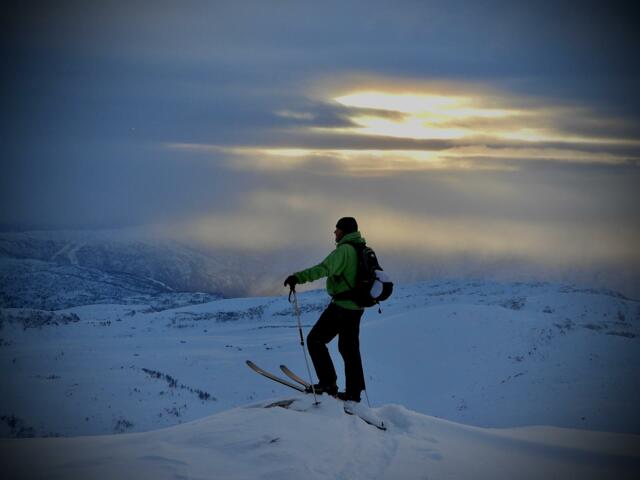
(347, 225)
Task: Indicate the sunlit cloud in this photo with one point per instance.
(345, 161)
(424, 116)
(477, 129)
(378, 161)
(410, 127)
(438, 108)
(439, 116)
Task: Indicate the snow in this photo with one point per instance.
(321, 442)
(473, 380)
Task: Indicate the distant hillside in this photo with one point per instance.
(60, 269)
(51, 270)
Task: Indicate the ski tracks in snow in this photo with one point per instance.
(69, 251)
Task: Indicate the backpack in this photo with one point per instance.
(372, 284)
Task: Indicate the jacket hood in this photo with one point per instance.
(353, 237)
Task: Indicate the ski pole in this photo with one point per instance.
(366, 394)
(306, 360)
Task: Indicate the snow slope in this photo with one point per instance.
(479, 353)
(322, 442)
(524, 371)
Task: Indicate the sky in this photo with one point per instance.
(478, 133)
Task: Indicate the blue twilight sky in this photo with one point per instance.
(489, 130)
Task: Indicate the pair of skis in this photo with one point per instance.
(303, 386)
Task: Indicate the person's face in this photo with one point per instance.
(339, 234)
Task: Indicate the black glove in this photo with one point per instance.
(291, 281)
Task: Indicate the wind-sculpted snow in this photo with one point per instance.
(289, 438)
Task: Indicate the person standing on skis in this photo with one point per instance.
(341, 317)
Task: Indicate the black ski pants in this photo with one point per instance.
(345, 323)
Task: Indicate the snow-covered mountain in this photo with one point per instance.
(53, 270)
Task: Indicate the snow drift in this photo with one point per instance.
(321, 442)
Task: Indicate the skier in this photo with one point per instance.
(341, 317)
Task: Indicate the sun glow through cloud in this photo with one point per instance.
(423, 116)
(474, 129)
(467, 115)
(438, 108)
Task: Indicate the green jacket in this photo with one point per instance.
(340, 268)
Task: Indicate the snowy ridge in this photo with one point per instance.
(304, 441)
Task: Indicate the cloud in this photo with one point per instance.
(451, 127)
(557, 198)
(221, 121)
